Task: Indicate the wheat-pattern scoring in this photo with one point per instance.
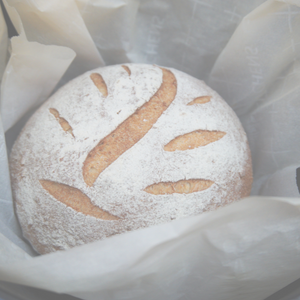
(128, 133)
(125, 147)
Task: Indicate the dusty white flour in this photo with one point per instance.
(45, 151)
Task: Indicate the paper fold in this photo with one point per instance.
(258, 75)
(3, 44)
(33, 68)
(168, 260)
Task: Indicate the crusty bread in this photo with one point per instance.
(125, 147)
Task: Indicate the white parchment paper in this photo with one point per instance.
(258, 75)
(248, 51)
(3, 43)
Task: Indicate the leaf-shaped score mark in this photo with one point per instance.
(180, 187)
(62, 122)
(131, 130)
(193, 140)
(75, 199)
(127, 69)
(99, 83)
(200, 100)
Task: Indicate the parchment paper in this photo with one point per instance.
(248, 52)
(3, 43)
(259, 77)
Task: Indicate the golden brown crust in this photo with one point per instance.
(99, 83)
(130, 131)
(62, 121)
(193, 140)
(179, 187)
(127, 69)
(200, 100)
(76, 199)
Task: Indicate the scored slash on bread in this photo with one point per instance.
(99, 83)
(179, 187)
(200, 100)
(193, 140)
(131, 130)
(62, 121)
(126, 69)
(75, 199)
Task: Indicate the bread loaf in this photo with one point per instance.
(125, 147)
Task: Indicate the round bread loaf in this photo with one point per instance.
(125, 147)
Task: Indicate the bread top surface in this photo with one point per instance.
(157, 178)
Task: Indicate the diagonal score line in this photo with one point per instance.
(75, 199)
(130, 131)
